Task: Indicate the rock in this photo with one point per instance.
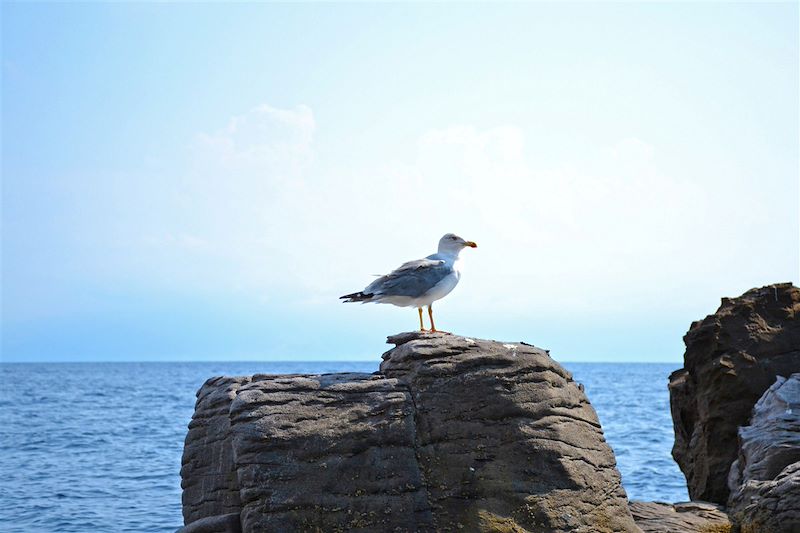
(225, 523)
(765, 479)
(686, 517)
(208, 474)
(503, 434)
(772, 440)
(731, 358)
(453, 434)
(327, 453)
(769, 506)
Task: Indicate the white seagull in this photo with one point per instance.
(418, 283)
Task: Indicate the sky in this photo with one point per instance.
(202, 181)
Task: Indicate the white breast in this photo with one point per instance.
(441, 289)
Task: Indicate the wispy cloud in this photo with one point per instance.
(264, 136)
(600, 230)
(248, 209)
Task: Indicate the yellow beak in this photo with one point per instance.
(470, 244)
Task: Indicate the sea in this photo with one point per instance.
(88, 447)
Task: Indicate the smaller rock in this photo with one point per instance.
(686, 517)
(770, 506)
(732, 357)
(772, 440)
(765, 479)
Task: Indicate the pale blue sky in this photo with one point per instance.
(192, 181)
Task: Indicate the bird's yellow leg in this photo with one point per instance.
(421, 325)
(430, 315)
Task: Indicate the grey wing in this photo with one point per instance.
(412, 279)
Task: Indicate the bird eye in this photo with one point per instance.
(453, 238)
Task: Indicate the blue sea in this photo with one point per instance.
(97, 446)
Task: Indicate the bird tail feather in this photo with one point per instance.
(356, 297)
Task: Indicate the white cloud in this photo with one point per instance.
(265, 135)
(256, 213)
(576, 234)
(228, 211)
(633, 151)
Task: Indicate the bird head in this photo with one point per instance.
(453, 244)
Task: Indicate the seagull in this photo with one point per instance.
(418, 283)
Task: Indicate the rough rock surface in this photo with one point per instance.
(765, 479)
(208, 474)
(223, 523)
(453, 434)
(686, 517)
(731, 358)
(327, 453)
(504, 436)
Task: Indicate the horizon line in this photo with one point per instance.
(173, 361)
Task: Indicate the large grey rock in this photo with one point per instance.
(765, 479)
(453, 434)
(731, 358)
(685, 517)
(504, 435)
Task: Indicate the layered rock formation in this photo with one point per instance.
(686, 517)
(731, 358)
(765, 479)
(452, 434)
(208, 474)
